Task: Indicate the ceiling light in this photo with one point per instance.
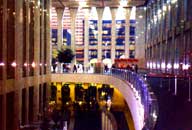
(173, 1)
(123, 3)
(82, 3)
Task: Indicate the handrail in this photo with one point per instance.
(144, 92)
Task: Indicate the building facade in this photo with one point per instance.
(98, 34)
(168, 36)
(24, 61)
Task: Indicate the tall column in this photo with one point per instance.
(127, 30)
(18, 56)
(36, 59)
(60, 12)
(48, 34)
(73, 13)
(86, 38)
(100, 32)
(113, 34)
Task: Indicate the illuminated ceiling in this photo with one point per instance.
(97, 3)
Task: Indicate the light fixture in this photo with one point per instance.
(33, 64)
(154, 65)
(173, 1)
(82, 4)
(164, 8)
(163, 65)
(148, 65)
(169, 66)
(13, 64)
(25, 64)
(176, 66)
(151, 65)
(186, 66)
(140, 16)
(2, 64)
(123, 3)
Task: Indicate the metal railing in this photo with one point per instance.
(144, 92)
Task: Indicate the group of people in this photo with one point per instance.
(133, 67)
(78, 68)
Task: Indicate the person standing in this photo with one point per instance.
(74, 69)
(136, 68)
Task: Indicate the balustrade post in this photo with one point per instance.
(175, 85)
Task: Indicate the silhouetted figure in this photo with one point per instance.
(136, 68)
(106, 68)
(74, 69)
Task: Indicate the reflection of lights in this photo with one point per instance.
(163, 65)
(176, 66)
(186, 66)
(158, 65)
(2, 64)
(151, 65)
(169, 66)
(154, 115)
(159, 12)
(154, 65)
(148, 65)
(155, 19)
(13, 64)
(40, 64)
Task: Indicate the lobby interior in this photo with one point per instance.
(108, 39)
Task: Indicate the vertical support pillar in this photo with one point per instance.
(86, 38)
(18, 71)
(48, 34)
(113, 34)
(127, 30)
(73, 13)
(100, 32)
(60, 12)
(4, 67)
(36, 59)
(27, 61)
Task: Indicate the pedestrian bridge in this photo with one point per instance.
(134, 92)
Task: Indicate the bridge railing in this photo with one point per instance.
(143, 91)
